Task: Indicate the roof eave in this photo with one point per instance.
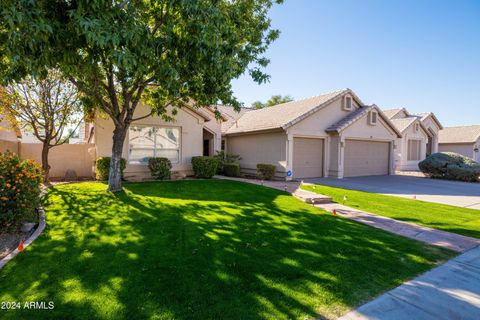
(320, 106)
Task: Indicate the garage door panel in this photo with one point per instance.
(366, 158)
(307, 157)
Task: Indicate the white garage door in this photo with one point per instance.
(366, 158)
(307, 158)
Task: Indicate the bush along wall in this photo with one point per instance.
(224, 158)
(265, 171)
(160, 168)
(19, 190)
(103, 168)
(231, 169)
(204, 167)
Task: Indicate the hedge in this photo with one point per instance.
(265, 171)
(103, 167)
(160, 168)
(223, 158)
(204, 167)
(231, 169)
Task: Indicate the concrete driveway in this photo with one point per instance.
(460, 194)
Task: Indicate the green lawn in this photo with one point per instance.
(202, 250)
(439, 216)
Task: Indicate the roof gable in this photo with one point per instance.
(358, 114)
(394, 113)
(403, 124)
(231, 116)
(285, 115)
(425, 116)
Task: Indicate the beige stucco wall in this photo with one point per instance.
(316, 124)
(335, 167)
(260, 148)
(191, 139)
(401, 153)
(433, 127)
(466, 149)
(77, 157)
(215, 127)
(9, 145)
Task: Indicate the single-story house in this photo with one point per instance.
(464, 140)
(194, 132)
(419, 137)
(331, 135)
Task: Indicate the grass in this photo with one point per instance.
(453, 219)
(202, 250)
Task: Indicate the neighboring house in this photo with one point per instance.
(85, 133)
(9, 134)
(194, 132)
(29, 137)
(419, 137)
(464, 140)
(331, 135)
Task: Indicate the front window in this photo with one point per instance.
(414, 150)
(147, 142)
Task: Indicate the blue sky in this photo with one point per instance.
(423, 55)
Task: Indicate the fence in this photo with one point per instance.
(77, 157)
(9, 145)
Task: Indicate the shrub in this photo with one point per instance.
(103, 167)
(224, 158)
(451, 166)
(231, 169)
(265, 171)
(204, 167)
(19, 189)
(160, 168)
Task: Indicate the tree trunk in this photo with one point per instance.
(45, 165)
(115, 175)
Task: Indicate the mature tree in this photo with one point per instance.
(273, 101)
(166, 52)
(46, 107)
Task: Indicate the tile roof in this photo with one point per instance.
(463, 134)
(283, 115)
(352, 117)
(391, 112)
(230, 115)
(425, 115)
(403, 123)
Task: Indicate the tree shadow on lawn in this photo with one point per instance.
(203, 250)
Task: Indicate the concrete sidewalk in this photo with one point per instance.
(451, 291)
